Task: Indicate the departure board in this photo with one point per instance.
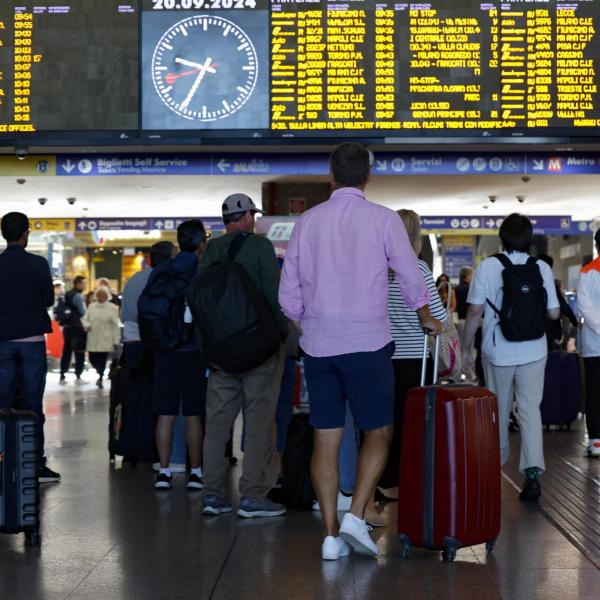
(445, 66)
(68, 65)
(168, 70)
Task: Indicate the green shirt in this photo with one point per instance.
(257, 256)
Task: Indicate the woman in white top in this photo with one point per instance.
(409, 339)
(104, 334)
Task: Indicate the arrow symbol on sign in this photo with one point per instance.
(68, 166)
(82, 225)
(538, 164)
(381, 165)
(159, 224)
(222, 165)
(490, 223)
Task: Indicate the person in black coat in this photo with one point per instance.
(24, 320)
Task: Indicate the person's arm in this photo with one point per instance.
(474, 314)
(452, 299)
(47, 285)
(588, 305)
(403, 261)
(290, 287)
(79, 305)
(269, 276)
(565, 309)
(552, 304)
(116, 327)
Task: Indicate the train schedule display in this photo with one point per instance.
(274, 69)
(68, 66)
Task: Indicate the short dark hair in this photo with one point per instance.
(234, 218)
(78, 279)
(350, 164)
(160, 253)
(190, 234)
(547, 259)
(597, 238)
(14, 225)
(516, 233)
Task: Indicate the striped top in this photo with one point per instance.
(404, 323)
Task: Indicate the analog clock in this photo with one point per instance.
(204, 68)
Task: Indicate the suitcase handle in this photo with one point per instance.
(436, 357)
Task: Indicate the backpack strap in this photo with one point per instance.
(236, 245)
(532, 260)
(506, 262)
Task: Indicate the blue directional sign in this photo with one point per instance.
(143, 224)
(541, 224)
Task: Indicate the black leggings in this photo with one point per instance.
(98, 361)
(407, 374)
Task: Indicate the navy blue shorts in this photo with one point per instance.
(179, 382)
(363, 379)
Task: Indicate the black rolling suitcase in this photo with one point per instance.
(131, 427)
(562, 390)
(20, 455)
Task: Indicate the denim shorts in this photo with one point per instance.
(363, 379)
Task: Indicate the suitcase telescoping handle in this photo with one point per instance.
(436, 357)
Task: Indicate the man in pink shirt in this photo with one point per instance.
(334, 286)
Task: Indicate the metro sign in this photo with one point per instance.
(555, 165)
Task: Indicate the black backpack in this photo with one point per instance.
(234, 321)
(523, 312)
(161, 309)
(65, 312)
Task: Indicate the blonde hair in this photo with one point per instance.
(102, 282)
(102, 295)
(412, 223)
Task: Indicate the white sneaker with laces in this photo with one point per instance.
(593, 448)
(334, 548)
(343, 503)
(354, 531)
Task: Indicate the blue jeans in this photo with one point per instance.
(285, 404)
(348, 459)
(24, 364)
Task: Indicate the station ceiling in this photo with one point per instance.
(163, 196)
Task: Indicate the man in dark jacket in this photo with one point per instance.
(23, 322)
(73, 332)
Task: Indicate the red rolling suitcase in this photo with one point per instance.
(449, 490)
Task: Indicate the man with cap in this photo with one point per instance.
(256, 391)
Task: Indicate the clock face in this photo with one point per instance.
(204, 68)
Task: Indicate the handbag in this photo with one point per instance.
(450, 360)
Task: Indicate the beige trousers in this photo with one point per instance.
(256, 392)
(525, 383)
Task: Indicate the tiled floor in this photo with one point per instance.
(107, 536)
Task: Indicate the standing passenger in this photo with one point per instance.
(513, 368)
(335, 287)
(73, 332)
(256, 391)
(23, 322)
(588, 298)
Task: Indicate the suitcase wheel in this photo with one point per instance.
(405, 546)
(33, 539)
(449, 555)
(489, 547)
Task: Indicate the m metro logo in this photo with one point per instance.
(555, 165)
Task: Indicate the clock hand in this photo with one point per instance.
(203, 70)
(189, 63)
(171, 78)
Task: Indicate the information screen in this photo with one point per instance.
(68, 65)
(273, 69)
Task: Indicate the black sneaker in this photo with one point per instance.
(47, 475)
(532, 490)
(62, 380)
(163, 482)
(194, 482)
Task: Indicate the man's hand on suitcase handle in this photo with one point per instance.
(430, 325)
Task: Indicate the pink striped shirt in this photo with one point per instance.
(335, 274)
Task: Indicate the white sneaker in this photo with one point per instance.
(593, 448)
(343, 503)
(334, 548)
(354, 531)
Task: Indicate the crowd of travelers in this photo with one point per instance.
(352, 298)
